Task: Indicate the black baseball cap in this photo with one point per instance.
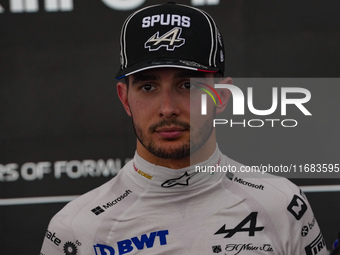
(170, 35)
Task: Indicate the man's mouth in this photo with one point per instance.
(170, 132)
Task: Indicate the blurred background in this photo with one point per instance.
(63, 130)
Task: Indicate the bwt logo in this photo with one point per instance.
(128, 245)
(238, 100)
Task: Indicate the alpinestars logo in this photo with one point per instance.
(183, 180)
(169, 40)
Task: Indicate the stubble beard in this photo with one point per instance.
(194, 143)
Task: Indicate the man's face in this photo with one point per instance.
(159, 104)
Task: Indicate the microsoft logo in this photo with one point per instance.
(98, 210)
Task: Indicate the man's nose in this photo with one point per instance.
(169, 105)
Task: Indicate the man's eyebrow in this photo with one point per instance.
(140, 77)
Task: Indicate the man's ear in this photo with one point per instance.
(224, 95)
(122, 92)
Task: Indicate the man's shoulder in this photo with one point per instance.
(80, 219)
(92, 202)
(263, 186)
(79, 207)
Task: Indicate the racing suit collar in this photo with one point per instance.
(167, 179)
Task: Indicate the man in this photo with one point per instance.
(159, 203)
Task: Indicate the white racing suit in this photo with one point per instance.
(148, 209)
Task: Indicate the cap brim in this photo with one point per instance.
(183, 64)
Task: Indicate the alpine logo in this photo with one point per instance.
(169, 40)
(183, 180)
(316, 246)
(251, 218)
(129, 245)
(297, 207)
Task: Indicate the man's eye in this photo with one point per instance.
(187, 85)
(147, 87)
